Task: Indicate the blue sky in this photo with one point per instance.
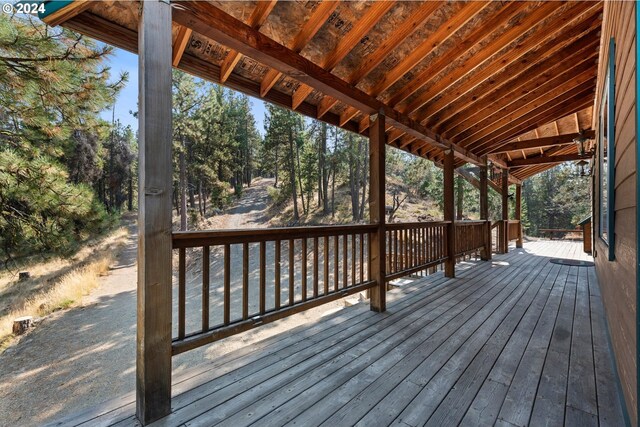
(127, 101)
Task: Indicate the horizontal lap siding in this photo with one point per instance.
(618, 278)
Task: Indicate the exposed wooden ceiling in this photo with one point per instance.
(474, 77)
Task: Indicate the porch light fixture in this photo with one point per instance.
(580, 142)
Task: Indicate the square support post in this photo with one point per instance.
(505, 211)
(519, 214)
(377, 178)
(485, 254)
(153, 356)
(449, 209)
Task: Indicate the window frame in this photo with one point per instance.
(606, 117)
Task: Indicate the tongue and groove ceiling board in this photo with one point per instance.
(469, 76)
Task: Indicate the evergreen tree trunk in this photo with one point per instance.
(200, 199)
(130, 201)
(292, 177)
(183, 193)
(363, 180)
(299, 174)
(459, 198)
(324, 170)
(333, 193)
(275, 184)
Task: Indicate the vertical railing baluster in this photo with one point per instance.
(369, 257)
(182, 292)
(245, 281)
(325, 259)
(316, 267)
(396, 259)
(205, 287)
(227, 284)
(336, 264)
(361, 258)
(263, 278)
(345, 262)
(304, 269)
(353, 259)
(277, 273)
(291, 271)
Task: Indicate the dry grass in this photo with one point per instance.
(56, 284)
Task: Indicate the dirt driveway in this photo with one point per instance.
(78, 358)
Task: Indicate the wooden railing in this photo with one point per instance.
(280, 271)
(230, 281)
(470, 237)
(415, 246)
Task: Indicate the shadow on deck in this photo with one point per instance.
(516, 341)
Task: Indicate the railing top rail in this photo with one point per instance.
(194, 239)
(470, 222)
(417, 224)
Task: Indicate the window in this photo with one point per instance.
(606, 147)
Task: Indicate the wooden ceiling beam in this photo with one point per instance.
(496, 131)
(483, 30)
(68, 12)
(541, 96)
(180, 44)
(309, 29)
(432, 41)
(542, 142)
(257, 18)
(225, 29)
(543, 77)
(346, 44)
(530, 20)
(548, 159)
(512, 62)
(385, 48)
(536, 119)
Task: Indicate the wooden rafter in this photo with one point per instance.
(493, 53)
(482, 31)
(237, 35)
(538, 160)
(443, 33)
(68, 12)
(530, 118)
(180, 44)
(309, 29)
(542, 142)
(544, 94)
(346, 44)
(575, 58)
(509, 66)
(257, 18)
(583, 101)
(384, 49)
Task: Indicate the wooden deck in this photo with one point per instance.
(513, 342)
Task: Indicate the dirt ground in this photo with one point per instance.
(78, 358)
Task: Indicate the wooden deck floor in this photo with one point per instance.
(513, 342)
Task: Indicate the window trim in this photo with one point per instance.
(608, 95)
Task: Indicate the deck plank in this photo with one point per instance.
(397, 330)
(513, 342)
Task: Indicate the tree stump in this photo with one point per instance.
(21, 324)
(23, 275)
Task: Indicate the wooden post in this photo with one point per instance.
(505, 211)
(449, 208)
(519, 214)
(377, 211)
(485, 254)
(153, 358)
